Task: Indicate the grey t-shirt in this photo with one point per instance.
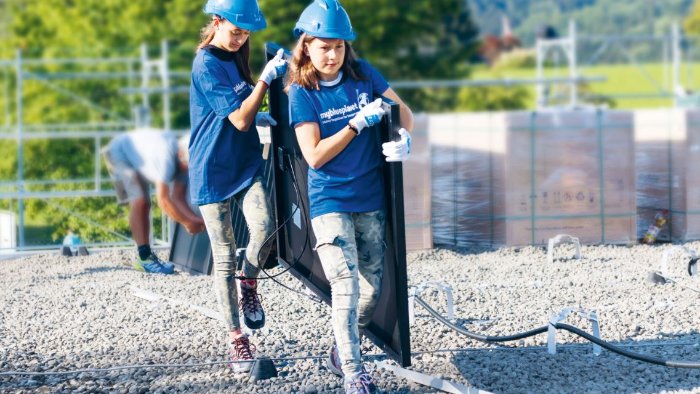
(151, 152)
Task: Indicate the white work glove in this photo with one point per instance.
(275, 68)
(369, 115)
(398, 150)
(263, 121)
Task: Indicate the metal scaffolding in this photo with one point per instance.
(20, 70)
(145, 77)
(671, 57)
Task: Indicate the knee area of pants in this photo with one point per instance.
(223, 260)
(338, 294)
(344, 278)
(346, 296)
(227, 275)
(226, 269)
(345, 285)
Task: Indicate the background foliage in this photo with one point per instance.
(405, 40)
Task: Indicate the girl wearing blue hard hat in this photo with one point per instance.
(331, 106)
(226, 158)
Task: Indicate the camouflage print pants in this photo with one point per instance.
(351, 249)
(217, 218)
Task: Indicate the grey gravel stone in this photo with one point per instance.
(62, 314)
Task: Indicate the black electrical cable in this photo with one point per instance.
(275, 232)
(562, 326)
(242, 277)
(627, 353)
(443, 320)
(295, 260)
(478, 337)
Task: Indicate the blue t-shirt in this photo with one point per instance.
(223, 160)
(352, 181)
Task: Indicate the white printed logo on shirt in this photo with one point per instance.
(362, 99)
(334, 114)
(346, 111)
(240, 86)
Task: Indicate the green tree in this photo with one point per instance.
(692, 21)
(90, 29)
(406, 40)
(497, 98)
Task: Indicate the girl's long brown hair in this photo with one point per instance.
(303, 73)
(241, 57)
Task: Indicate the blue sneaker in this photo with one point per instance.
(169, 267)
(333, 361)
(154, 265)
(360, 384)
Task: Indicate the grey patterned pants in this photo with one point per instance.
(217, 217)
(351, 249)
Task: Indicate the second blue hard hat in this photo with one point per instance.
(244, 14)
(325, 19)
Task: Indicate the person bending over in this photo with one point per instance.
(138, 159)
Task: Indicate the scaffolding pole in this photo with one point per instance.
(20, 152)
(21, 132)
(568, 46)
(676, 58)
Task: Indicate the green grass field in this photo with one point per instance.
(623, 82)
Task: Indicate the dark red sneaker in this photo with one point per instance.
(241, 354)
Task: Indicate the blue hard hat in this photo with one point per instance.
(325, 19)
(245, 14)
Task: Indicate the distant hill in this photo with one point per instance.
(592, 16)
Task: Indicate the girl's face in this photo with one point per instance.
(229, 37)
(327, 56)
